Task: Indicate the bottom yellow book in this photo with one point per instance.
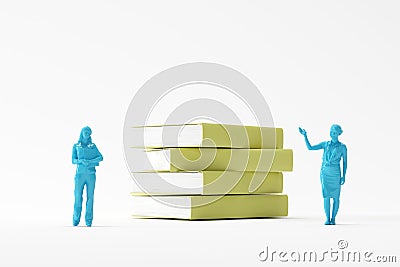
(211, 206)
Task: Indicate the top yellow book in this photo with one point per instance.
(207, 135)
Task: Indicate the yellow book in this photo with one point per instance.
(215, 159)
(207, 135)
(211, 207)
(207, 183)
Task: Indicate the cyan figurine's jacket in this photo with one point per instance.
(89, 152)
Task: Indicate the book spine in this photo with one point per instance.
(239, 182)
(243, 206)
(236, 136)
(219, 159)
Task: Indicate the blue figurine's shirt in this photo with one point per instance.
(89, 152)
(330, 170)
(333, 153)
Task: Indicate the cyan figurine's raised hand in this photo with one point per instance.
(302, 131)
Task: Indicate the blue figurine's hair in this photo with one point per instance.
(81, 135)
(337, 128)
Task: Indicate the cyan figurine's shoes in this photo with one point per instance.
(89, 224)
(330, 222)
(75, 223)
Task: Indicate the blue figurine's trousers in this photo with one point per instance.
(82, 179)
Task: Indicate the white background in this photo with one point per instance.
(64, 65)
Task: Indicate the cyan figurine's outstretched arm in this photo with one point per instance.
(309, 146)
(343, 179)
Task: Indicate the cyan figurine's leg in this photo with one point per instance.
(90, 184)
(335, 209)
(79, 185)
(327, 208)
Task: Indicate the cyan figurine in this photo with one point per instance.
(331, 176)
(86, 156)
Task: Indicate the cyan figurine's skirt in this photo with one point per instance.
(330, 180)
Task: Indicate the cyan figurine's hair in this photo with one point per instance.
(86, 128)
(337, 128)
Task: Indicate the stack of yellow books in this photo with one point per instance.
(211, 171)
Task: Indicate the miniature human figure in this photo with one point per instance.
(86, 156)
(330, 175)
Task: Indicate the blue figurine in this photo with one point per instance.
(86, 156)
(330, 175)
